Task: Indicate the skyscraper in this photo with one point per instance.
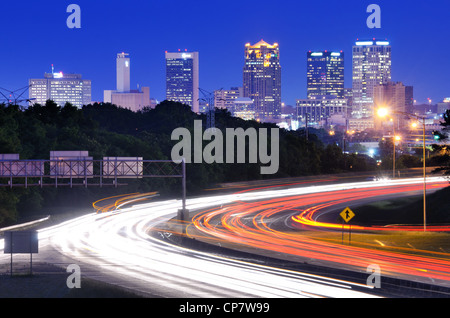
(182, 78)
(371, 67)
(224, 99)
(398, 98)
(123, 96)
(123, 72)
(325, 74)
(60, 88)
(262, 79)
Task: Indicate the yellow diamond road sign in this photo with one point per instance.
(347, 215)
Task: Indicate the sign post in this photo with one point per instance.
(21, 242)
(346, 216)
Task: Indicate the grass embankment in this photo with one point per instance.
(400, 211)
(408, 210)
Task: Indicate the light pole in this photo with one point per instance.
(394, 154)
(383, 112)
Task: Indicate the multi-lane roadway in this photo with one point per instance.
(120, 247)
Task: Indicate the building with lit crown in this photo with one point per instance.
(443, 106)
(371, 68)
(60, 88)
(182, 78)
(325, 74)
(262, 79)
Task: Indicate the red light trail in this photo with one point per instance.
(250, 224)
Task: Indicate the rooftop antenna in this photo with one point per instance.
(53, 69)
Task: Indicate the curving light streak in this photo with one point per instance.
(245, 224)
(118, 245)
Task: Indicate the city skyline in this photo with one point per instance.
(82, 51)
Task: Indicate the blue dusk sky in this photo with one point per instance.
(35, 36)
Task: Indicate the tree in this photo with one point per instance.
(441, 148)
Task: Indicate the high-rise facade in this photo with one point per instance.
(182, 78)
(123, 72)
(224, 99)
(371, 68)
(315, 111)
(398, 98)
(325, 74)
(60, 88)
(132, 99)
(443, 106)
(262, 79)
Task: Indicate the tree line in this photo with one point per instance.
(105, 130)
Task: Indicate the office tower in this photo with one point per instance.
(262, 79)
(243, 108)
(60, 88)
(134, 100)
(182, 78)
(371, 67)
(396, 97)
(325, 74)
(224, 99)
(316, 112)
(123, 96)
(443, 106)
(123, 72)
(409, 99)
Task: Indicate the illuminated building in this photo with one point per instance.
(443, 106)
(123, 96)
(317, 111)
(371, 67)
(325, 74)
(134, 100)
(224, 99)
(60, 88)
(243, 108)
(182, 78)
(262, 79)
(396, 97)
(123, 72)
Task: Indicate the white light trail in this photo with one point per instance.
(118, 243)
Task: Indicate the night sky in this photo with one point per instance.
(35, 35)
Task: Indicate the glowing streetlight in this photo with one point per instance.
(384, 112)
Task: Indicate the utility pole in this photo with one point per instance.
(14, 97)
(208, 97)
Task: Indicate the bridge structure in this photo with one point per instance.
(77, 169)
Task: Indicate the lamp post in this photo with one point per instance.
(394, 154)
(383, 112)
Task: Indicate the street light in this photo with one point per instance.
(383, 112)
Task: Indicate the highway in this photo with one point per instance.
(116, 247)
(256, 225)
